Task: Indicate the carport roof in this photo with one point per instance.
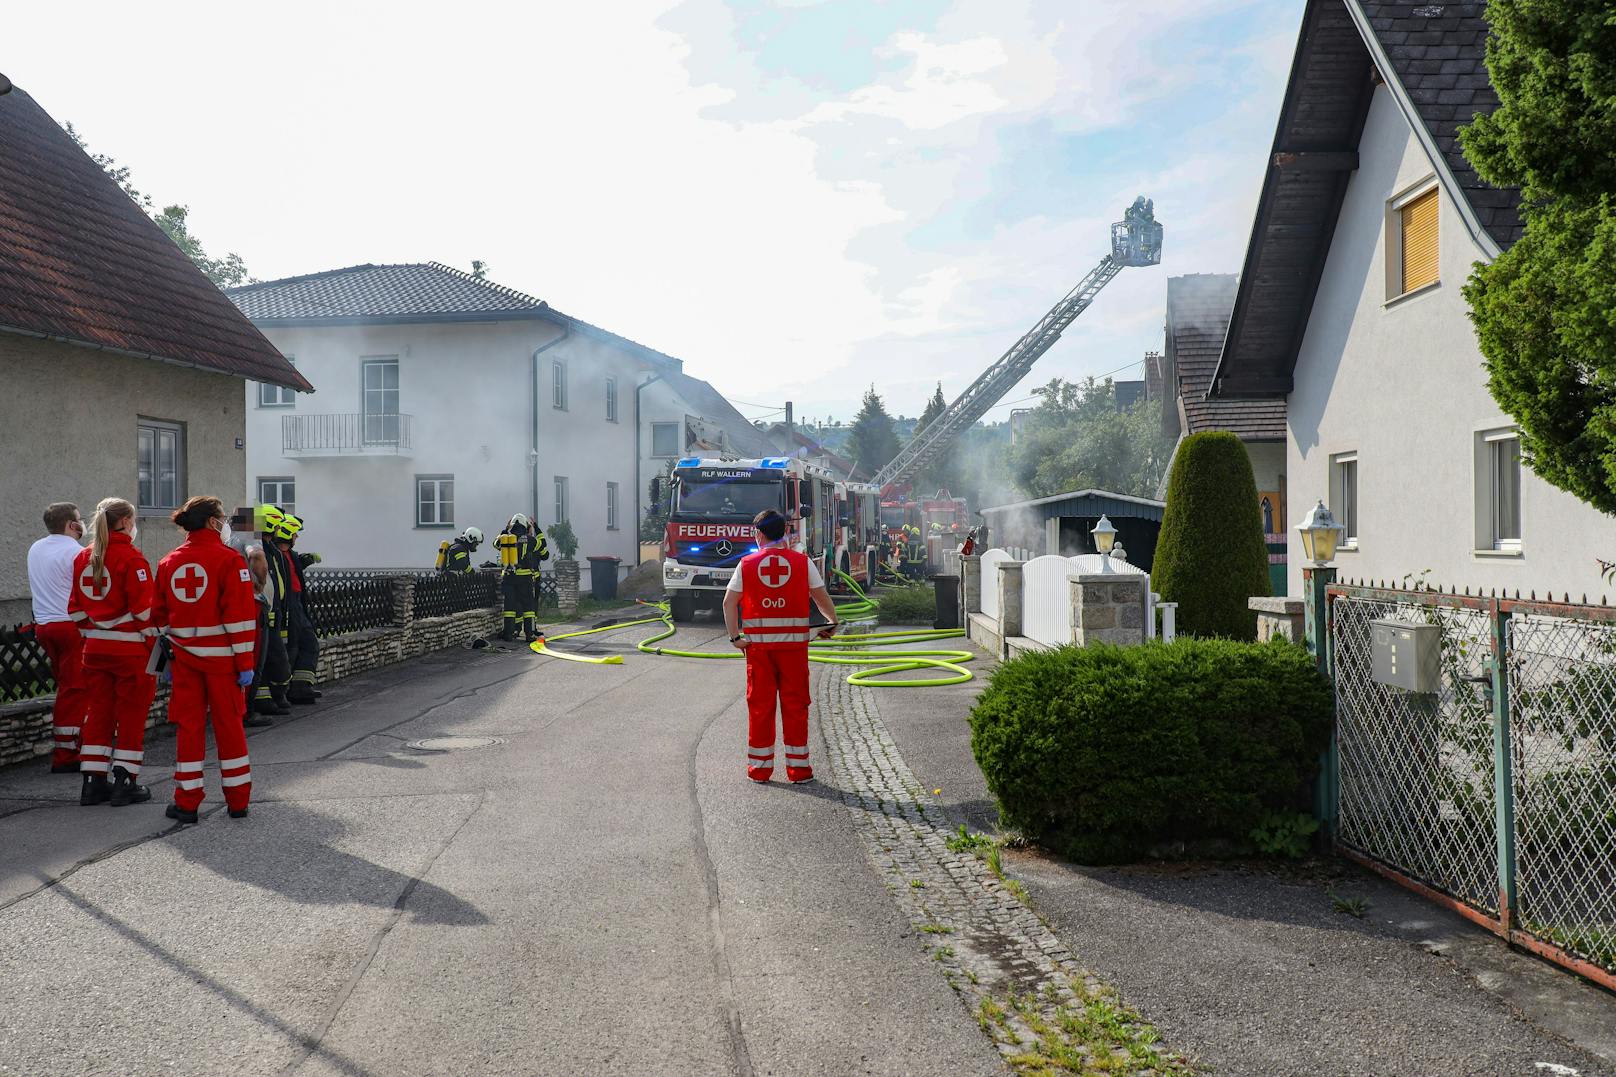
(1089, 503)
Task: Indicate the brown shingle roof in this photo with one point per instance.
(1198, 309)
(80, 262)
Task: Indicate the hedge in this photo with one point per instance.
(1105, 753)
(1211, 557)
(907, 604)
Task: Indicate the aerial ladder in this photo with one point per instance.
(1136, 240)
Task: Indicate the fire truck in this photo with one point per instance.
(922, 527)
(712, 504)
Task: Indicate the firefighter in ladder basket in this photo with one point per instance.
(771, 599)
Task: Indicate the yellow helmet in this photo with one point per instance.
(270, 518)
(289, 527)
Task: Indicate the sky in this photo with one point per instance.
(799, 198)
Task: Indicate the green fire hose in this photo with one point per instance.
(882, 652)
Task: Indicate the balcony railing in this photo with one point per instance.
(341, 435)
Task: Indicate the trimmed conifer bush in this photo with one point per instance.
(1211, 557)
(1104, 753)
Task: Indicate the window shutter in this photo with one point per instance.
(1420, 242)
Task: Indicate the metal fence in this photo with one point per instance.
(1496, 794)
(24, 668)
(443, 593)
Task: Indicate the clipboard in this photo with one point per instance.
(162, 651)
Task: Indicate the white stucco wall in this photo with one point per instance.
(469, 388)
(69, 415)
(1402, 385)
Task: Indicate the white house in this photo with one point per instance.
(1349, 309)
(685, 416)
(445, 400)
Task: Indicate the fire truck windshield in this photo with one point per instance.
(728, 498)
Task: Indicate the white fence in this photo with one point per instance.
(990, 581)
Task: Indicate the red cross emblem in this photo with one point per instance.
(189, 583)
(774, 570)
(88, 586)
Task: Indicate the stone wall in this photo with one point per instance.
(566, 573)
(1108, 608)
(25, 728)
(1279, 618)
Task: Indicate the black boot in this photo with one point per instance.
(265, 705)
(282, 708)
(125, 790)
(238, 813)
(179, 814)
(302, 696)
(257, 721)
(94, 790)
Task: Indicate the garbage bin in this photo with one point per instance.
(947, 586)
(603, 577)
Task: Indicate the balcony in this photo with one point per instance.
(347, 435)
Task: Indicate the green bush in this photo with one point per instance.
(907, 604)
(1211, 557)
(564, 539)
(1105, 752)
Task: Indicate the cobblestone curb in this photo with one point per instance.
(1017, 979)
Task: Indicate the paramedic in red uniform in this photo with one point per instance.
(111, 601)
(205, 600)
(772, 594)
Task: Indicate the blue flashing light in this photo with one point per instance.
(778, 462)
(754, 549)
(690, 461)
(695, 549)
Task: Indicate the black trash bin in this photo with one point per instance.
(603, 577)
(947, 586)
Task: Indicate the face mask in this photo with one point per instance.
(224, 532)
(134, 533)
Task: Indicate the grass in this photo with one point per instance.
(966, 842)
(1597, 943)
(937, 929)
(1351, 906)
(1093, 1033)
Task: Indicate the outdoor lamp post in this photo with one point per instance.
(1321, 534)
(1105, 537)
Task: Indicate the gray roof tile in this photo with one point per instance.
(1198, 309)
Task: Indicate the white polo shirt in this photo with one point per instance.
(50, 576)
(814, 578)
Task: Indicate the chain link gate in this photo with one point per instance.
(1495, 795)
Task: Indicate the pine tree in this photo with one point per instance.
(872, 442)
(1542, 309)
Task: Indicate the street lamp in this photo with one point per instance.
(1105, 537)
(1320, 534)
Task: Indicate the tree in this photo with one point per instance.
(479, 269)
(1210, 556)
(871, 441)
(935, 474)
(226, 272)
(1078, 439)
(1545, 310)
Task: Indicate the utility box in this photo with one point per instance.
(1406, 655)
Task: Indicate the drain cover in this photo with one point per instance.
(454, 744)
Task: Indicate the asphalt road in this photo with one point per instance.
(599, 891)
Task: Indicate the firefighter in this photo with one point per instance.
(522, 548)
(303, 644)
(204, 598)
(456, 556)
(111, 601)
(767, 611)
(269, 689)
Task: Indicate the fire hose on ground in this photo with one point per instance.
(883, 653)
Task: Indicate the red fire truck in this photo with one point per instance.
(711, 507)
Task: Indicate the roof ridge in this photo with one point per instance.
(503, 289)
(305, 276)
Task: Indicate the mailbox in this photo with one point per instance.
(1406, 655)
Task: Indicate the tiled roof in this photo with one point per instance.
(1198, 308)
(409, 293)
(79, 261)
(380, 291)
(744, 438)
(1438, 52)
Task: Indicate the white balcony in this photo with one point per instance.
(354, 434)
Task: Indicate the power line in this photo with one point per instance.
(1035, 396)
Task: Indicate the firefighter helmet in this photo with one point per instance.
(519, 522)
(473, 535)
(271, 518)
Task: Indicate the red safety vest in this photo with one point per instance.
(775, 600)
(205, 600)
(114, 612)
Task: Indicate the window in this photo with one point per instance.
(1344, 495)
(665, 439)
(379, 419)
(1498, 491)
(611, 506)
(558, 383)
(560, 498)
(277, 396)
(279, 491)
(1415, 239)
(611, 400)
(160, 464)
(434, 501)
